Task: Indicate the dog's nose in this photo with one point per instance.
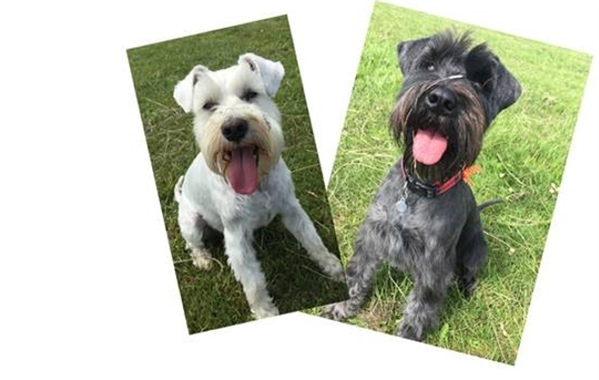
(441, 101)
(235, 129)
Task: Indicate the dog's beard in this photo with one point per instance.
(437, 147)
(242, 164)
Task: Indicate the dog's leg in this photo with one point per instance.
(424, 305)
(242, 259)
(299, 224)
(193, 227)
(471, 254)
(360, 274)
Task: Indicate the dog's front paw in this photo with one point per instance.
(407, 331)
(201, 260)
(467, 287)
(337, 311)
(265, 311)
(332, 267)
(336, 273)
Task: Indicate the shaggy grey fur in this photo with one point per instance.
(436, 238)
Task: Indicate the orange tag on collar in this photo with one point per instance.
(467, 173)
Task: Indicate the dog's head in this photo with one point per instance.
(449, 97)
(237, 124)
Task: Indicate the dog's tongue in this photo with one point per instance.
(242, 172)
(429, 146)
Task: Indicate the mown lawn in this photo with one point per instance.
(214, 299)
(522, 162)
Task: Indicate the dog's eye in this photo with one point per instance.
(430, 68)
(249, 95)
(209, 106)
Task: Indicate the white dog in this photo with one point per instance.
(239, 182)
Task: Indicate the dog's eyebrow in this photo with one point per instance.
(431, 55)
(247, 90)
(435, 56)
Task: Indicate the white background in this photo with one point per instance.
(87, 286)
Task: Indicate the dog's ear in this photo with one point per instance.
(500, 86)
(183, 93)
(271, 72)
(408, 52)
(507, 90)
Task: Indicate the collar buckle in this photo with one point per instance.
(429, 190)
(431, 193)
(421, 188)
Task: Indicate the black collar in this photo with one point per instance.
(425, 189)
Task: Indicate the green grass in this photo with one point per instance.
(522, 162)
(214, 299)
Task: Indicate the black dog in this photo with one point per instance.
(424, 218)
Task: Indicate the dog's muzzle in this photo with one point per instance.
(441, 101)
(234, 130)
(239, 155)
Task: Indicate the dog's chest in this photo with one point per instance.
(407, 222)
(418, 232)
(258, 210)
(407, 230)
(396, 207)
